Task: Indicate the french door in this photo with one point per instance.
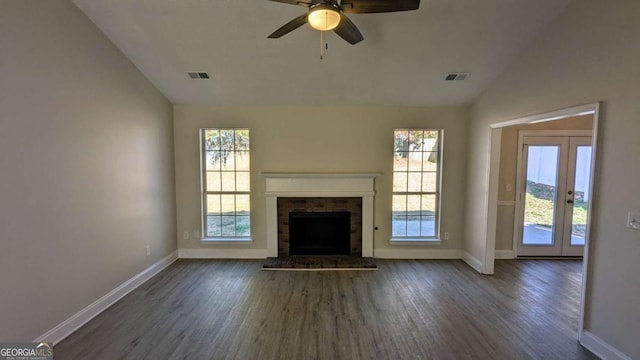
(552, 195)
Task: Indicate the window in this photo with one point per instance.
(416, 185)
(225, 184)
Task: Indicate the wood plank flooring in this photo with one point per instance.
(230, 309)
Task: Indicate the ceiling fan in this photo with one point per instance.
(325, 15)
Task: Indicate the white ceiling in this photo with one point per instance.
(402, 61)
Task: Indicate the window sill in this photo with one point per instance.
(226, 240)
(415, 240)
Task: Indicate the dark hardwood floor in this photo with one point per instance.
(230, 309)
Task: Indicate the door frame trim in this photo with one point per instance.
(492, 195)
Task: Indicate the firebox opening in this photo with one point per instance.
(319, 233)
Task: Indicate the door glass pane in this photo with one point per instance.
(581, 195)
(541, 189)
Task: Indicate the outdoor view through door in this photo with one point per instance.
(416, 185)
(553, 195)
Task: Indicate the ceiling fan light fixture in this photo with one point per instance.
(324, 18)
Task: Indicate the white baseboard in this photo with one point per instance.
(417, 254)
(600, 348)
(222, 253)
(472, 261)
(505, 254)
(67, 327)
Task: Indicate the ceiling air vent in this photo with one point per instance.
(456, 76)
(198, 75)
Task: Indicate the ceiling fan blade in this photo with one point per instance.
(378, 6)
(289, 27)
(348, 31)
(306, 3)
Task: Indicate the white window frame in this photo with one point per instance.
(435, 239)
(204, 192)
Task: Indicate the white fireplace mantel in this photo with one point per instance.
(320, 185)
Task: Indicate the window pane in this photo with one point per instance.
(399, 182)
(242, 160)
(242, 205)
(226, 140)
(242, 181)
(242, 139)
(228, 181)
(413, 204)
(212, 160)
(401, 140)
(399, 204)
(243, 226)
(429, 181)
(415, 161)
(430, 161)
(213, 181)
(213, 204)
(214, 227)
(399, 226)
(212, 140)
(400, 160)
(228, 161)
(428, 226)
(228, 225)
(415, 140)
(431, 134)
(413, 225)
(428, 205)
(228, 204)
(414, 182)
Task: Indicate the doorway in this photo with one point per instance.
(497, 207)
(552, 197)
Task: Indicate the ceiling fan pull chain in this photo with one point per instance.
(321, 47)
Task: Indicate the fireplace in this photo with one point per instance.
(322, 193)
(319, 233)
(319, 226)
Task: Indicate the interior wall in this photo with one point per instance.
(86, 157)
(508, 168)
(588, 54)
(319, 139)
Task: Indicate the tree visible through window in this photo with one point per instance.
(416, 185)
(226, 184)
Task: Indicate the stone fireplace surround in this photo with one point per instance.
(320, 185)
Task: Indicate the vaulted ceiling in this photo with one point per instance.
(402, 61)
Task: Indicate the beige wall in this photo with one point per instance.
(508, 167)
(86, 167)
(590, 53)
(319, 139)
